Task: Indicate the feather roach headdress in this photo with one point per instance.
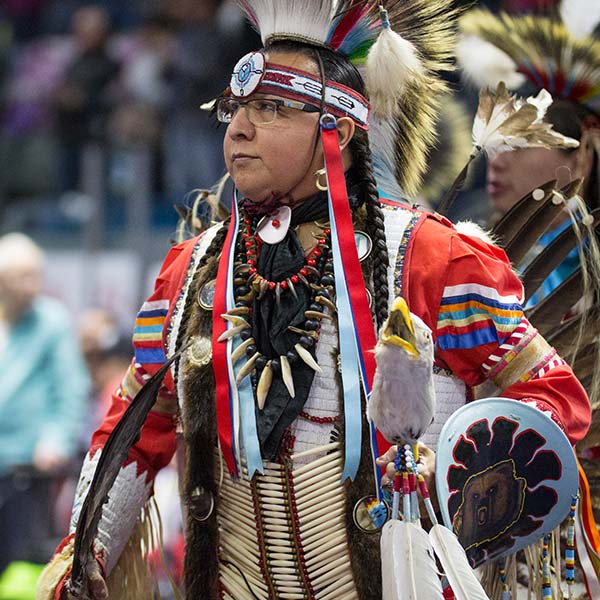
(399, 51)
(556, 51)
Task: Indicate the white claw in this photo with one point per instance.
(241, 350)
(307, 357)
(229, 333)
(247, 368)
(264, 385)
(235, 319)
(286, 375)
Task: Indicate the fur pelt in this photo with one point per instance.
(201, 566)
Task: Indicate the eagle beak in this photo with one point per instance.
(399, 329)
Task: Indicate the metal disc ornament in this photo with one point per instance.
(364, 244)
(206, 295)
(505, 476)
(272, 228)
(247, 74)
(370, 515)
(199, 353)
(201, 504)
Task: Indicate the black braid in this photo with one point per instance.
(213, 249)
(363, 170)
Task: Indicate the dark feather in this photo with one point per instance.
(551, 256)
(566, 338)
(586, 362)
(549, 312)
(510, 224)
(115, 452)
(538, 223)
(451, 195)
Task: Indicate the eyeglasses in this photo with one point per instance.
(260, 111)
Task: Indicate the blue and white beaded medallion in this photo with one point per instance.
(247, 74)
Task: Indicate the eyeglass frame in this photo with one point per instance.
(278, 102)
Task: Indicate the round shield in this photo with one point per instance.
(505, 476)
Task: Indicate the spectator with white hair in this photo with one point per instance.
(42, 400)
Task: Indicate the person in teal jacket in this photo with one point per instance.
(44, 387)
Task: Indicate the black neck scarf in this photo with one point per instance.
(271, 321)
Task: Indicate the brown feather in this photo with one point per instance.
(565, 339)
(548, 314)
(538, 223)
(551, 256)
(448, 200)
(586, 362)
(510, 224)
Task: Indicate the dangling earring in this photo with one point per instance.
(318, 175)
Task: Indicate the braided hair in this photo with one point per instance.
(337, 68)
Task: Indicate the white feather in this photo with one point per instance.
(494, 131)
(407, 564)
(298, 18)
(453, 559)
(485, 64)
(580, 16)
(391, 64)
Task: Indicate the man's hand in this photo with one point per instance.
(97, 584)
(425, 467)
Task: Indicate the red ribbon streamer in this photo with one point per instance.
(352, 270)
(219, 351)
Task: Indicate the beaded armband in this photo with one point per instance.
(524, 356)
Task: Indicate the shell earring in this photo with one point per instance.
(318, 175)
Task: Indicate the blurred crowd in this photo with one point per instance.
(80, 81)
(100, 121)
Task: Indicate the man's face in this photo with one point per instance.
(19, 286)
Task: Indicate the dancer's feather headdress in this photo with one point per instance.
(556, 51)
(399, 51)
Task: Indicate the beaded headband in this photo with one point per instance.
(253, 74)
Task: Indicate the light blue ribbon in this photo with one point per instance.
(348, 358)
(244, 388)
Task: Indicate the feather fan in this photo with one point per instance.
(539, 222)
(408, 566)
(115, 451)
(453, 559)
